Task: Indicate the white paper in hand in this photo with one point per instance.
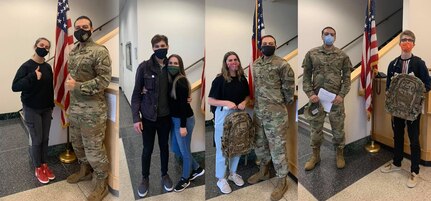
(326, 98)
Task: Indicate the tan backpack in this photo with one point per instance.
(238, 134)
(405, 97)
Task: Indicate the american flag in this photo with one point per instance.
(258, 31)
(370, 56)
(203, 86)
(64, 43)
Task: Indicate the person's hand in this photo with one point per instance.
(242, 105)
(337, 100)
(183, 132)
(189, 100)
(231, 105)
(69, 84)
(138, 127)
(314, 98)
(38, 73)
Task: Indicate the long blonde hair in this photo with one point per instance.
(181, 74)
(225, 70)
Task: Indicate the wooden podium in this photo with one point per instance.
(112, 137)
(292, 138)
(382, 129)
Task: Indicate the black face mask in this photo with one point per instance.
(267, 50)
(161, 53)
(42, 52)
(82, 35)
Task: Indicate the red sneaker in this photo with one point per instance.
(40, 175)
(48, 171)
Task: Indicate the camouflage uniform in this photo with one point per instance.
(90, 66)
(274, 88)
(328, 69)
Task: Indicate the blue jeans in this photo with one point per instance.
(218, 134)
(189, 163)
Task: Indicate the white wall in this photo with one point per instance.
(228, 27)
(33, 19)
(128, 33)
(347, 17)
(181, 21)
(416, 14)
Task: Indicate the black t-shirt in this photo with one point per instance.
(36, 94)
(236, 90)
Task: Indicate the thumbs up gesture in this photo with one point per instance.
(69, 84)
(38, 73)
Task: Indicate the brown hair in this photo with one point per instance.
(270, 36)
(181, 74)
(225, 70)
(157, 38)
(408, 33)
(40, 39)
(83, 17)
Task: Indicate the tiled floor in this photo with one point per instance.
(326, 180)
(17, 171)
(133, 150)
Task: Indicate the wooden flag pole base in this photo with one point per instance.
(68, 156)
(372, 147)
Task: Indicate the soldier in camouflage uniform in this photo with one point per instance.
(274, 82)
(326, 67)
(89, 68)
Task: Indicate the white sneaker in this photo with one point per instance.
(413, 180)
(390, 167)
(237, 179)
(224, 186)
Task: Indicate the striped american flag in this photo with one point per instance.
(258, 32)
(370, 56)
(64, 43)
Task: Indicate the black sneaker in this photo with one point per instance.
(143, 188)
(182, 184)
(196, 173)
(167, 183)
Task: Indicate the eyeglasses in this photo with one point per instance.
(407, 40)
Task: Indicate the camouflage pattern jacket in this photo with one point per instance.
(328, 69)
(89, 64)
(274, 82)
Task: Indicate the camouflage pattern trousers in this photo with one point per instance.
(271, 134)
(87, 133)
(336, 119)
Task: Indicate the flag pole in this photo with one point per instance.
(372, 147)
(68, 156)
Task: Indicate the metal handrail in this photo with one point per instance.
(285, 43)
(96, 29)
(196, 62)
(387, 18)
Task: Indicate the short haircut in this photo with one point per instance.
(157, 38)
(408, 33)
(266, 36)
(84, 17)
(40, 39)
(328, 27)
